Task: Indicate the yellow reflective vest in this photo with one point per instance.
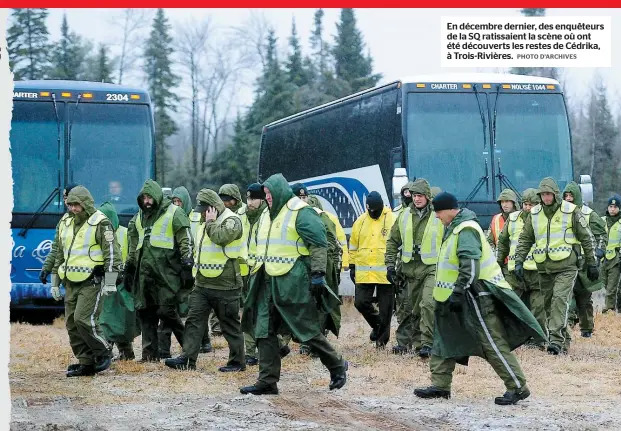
(161, 233)
(252, 238)
(279, 244)
(432, 238)
(367, 247)
(341, 237)
(614, 239)
(241, 212)
(195, 221)
(516, 225)
(447, 270)
(121, 237)
(209, 257)
(81, 251)
(553, 237)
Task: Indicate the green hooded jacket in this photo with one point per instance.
(104, 234)
(504, 241)
(399, 208)
(108, 209)
(183, 194)
(232, 190)
(290, 293)
(596, 224)
(158, 270)
(456, 334)
(505, 195)
(580, 228)
(420, 218)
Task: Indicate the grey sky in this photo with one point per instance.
(403, 42)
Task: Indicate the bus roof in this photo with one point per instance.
(472, 78)
(57, 84)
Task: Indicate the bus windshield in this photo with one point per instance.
(35, 155)
(445, 140)
(532, 139)
(111, 151)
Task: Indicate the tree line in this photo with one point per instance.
(196, 70)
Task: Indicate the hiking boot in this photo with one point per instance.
(424, 352)
(338, 380)
(554, 349)
(305, 350)
(251, 361)
(231, 368)
(260, 389)
(73, 367)
(586, 334)
(180, 363)
(432, 392)
(123, 356)
(399, 350)
(102, 363)
(206, 348)
(284, 351)
(373, 335)
(512, 397)
(82, 370)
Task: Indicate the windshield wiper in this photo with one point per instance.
(58, 139)
(494, 118)
(77, 102)
(483, 180)
(36, 215)
(476, 94)
(505, 182)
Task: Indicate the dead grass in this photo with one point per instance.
(41, 354)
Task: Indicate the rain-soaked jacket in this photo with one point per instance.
(158, 270)
(104, 234)
(455, 335)
(580, 227)
(596, 224)
(183, 194)
(504, 240)
(501, 218)
(289, 295)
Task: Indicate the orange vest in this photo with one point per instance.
(498, 222)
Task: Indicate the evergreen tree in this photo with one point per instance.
(237, 164)
(100, 66)
(161, 81)
(351, 65)
(69, 55)
(27, 43)
(319, 47)
(298, 75)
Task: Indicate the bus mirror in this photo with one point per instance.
(399, 179)
(586, 188)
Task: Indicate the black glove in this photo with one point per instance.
(456, 302)
(187, 262)
(519, 271)
(599, 253)
(391, 275)
(43, 276)
(352, 273)
(592, 272)
(128, 278)
(318, 280)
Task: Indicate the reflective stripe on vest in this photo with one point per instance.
(587, 213)
(498, 223)
(121, 237)
(253, 258)
(516, 225)
(447, 270)
(241, 212)
(195, 221)
(161, 233)
(614, 240)
(82, 253)
(278, 243)
(432, 237)
(557, 244)
(209, 257)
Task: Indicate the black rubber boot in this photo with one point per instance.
(251, 361)
(180, 363)
(260, 389)
(338, 380)
(399, 350)
(206, 348)
(512, 397)
(432, 392)
(424, 352)
(82, 370)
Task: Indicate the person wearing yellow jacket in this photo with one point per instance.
(367, 270)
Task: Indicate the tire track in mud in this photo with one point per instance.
(342, 415)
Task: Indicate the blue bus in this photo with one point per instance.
(471, 134)
(63, 132)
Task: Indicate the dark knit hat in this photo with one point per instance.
(255, 191)
(375, 201)
(444, 201)
(299, 189)
(615, 200)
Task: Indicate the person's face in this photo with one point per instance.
(177, 201)
(148, 201)
(304, 198)
(446, 216)
(613, 210)
(527, 206)
(507, 206)
(268, 196)
(75, 208)
(420, 201)
(115, 188)
(568, 197)
(230, 203)
(547, 198)
(253, 204)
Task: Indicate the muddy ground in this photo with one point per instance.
(579, 391)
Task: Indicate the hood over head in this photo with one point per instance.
(108, 209)
(228, 191)
(573, 188)
(548, 185)
(508, 195)
(206, 198)
(183, 194)
(280, 191)
(153, 189)
(80, 195)
(421, 186)
(530, 196)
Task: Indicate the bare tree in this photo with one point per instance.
(253, 34)
(192, 48)
(131, 22)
